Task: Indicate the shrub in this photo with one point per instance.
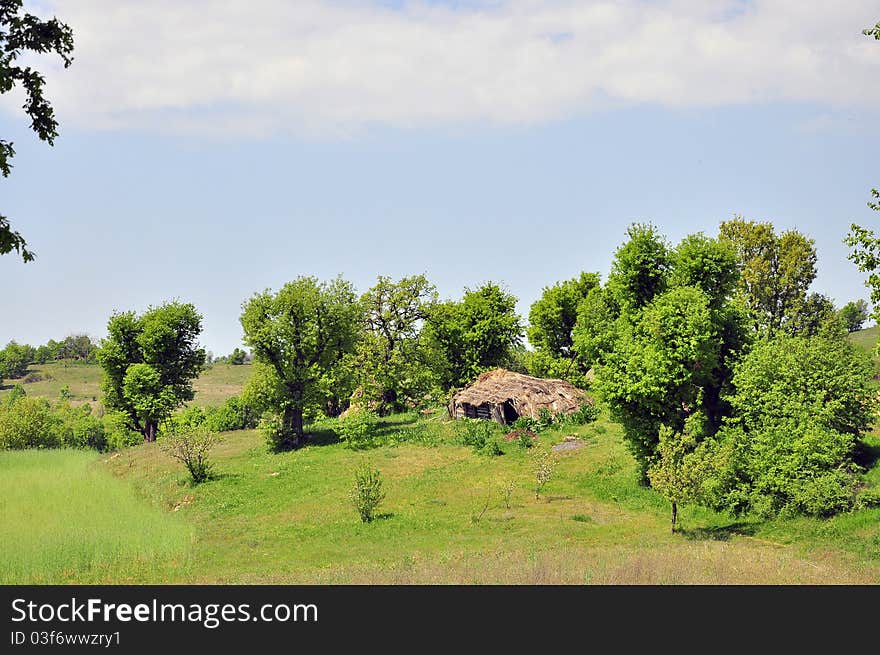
(480, 435)
(117, 433)
(191, 448)
(28, 423)
(367, 493)
(586, 413)
(358, 430)
(187, 419)
(526, 423)
(234, 414)
(799, 408)
(545, 420)
(77, 427)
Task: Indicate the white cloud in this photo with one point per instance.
(250, 68)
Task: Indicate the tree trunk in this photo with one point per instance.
(297, 425)
(149, 431)
(674, 516)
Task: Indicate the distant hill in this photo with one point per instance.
(866, 338)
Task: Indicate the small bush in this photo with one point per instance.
(28, 423)
(367, 493)
(587, 413)
(234, 414)
(79, 429)
(191, 448)
(545, 420)
(868, 498)
(526, 423)
(480, 435)
(358, 430)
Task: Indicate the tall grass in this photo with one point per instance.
(63, 519)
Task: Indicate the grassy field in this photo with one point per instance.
(216, 383)
(286, 518)
(866, 338)
(66, 520)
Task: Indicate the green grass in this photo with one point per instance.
(217, 383)
(866, 338)
(285, 518)
(66, 519)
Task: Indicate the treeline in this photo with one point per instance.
(15, 358)
(735, 386)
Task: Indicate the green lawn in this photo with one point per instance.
(285, 518)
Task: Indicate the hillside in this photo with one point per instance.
(216, 383)
(285, 518)
(866, 338)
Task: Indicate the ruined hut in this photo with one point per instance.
(504, 396)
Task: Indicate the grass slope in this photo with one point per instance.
(67, 520)
(217, 383)
(285, 518)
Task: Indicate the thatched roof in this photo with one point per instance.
(504, 395)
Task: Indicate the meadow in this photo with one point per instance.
(133, 517)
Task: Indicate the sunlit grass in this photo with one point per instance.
(65, 519)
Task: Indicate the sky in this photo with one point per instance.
(208, 155)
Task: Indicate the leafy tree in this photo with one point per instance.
(801, 404)
(640, 267)
(665, 362)
(20, 33)
(816, 316)
(473, 335)
(865, 253)
(14, 360)
(149, 363)
(552, 320)
(678, 472)
(237, 357)
(297, 335)
(775, 270)
(854, 314)
(594, 332)
(873, 31)
(390, 363)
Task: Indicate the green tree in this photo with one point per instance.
(14, 360)
(297, 335)
(662, 363)
(552, 319)
(150, 362)
(473, 335)
(800, 406)
(865, 253)
(775, 271)
(854, 314)
(678, 472)
(237, 357)
(21, 33)
(390, 363)
(640, 268)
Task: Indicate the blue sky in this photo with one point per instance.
(459, 144)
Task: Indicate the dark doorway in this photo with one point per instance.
(510, 414)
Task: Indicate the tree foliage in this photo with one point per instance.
(475, 334)
(552, 320)
(390, 363)
(865, 253)
(801, 404)
(854, 314)
(149, 363)
(297, 336)
(678, 472)
(667, 360)
(775, 271)
(21, 33)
